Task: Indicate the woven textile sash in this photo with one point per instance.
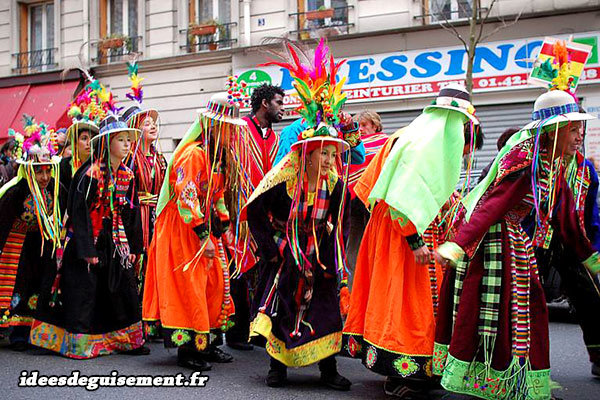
(491, 283)
(9, 264)
(523, 264)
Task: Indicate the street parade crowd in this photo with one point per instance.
(241, 237)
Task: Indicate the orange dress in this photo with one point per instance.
(185, 293)
(391, 321)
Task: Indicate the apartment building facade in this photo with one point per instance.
(398, 53)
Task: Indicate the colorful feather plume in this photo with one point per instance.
(562, 76)
(136, 92)
(316, 84)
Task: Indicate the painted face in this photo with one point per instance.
(83, 145)
(366, 127)
(43, 175)
(275, 108)
(149, 129)
(570, 138)
(120, 145)
(323, 158)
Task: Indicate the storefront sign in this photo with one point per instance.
(420, 73)
(592, 135)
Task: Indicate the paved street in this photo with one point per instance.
(244, 377)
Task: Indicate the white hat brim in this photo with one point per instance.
(574, 116)
(81, 126)
(460, 110)
(219, 117)
(151, 112)
(343, 143)
(51, 162)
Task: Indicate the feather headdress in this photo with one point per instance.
(316, 84)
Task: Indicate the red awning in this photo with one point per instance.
(11, 99)
(47, 103)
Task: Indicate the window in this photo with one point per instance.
(36, 44)
(446, 10)
(118, 19)
(208, 10)
(329, 17)
(123, 17)
(216, 13)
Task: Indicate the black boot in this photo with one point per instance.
(330, 376)
(277, 376)
(191, 359)
(140, 351)
(215, 354)
(405, 388)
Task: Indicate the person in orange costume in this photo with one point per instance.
(186, 293)
(391, 321)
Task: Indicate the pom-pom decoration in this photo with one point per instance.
(237, 92)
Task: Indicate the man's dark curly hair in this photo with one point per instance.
(264, 92)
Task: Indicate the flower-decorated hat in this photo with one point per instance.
(135, 114)
(35, 147)
(455, 97)
(86, 111)
(320, 95)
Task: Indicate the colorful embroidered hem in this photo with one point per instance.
(385, 362)
(300, 356)
(175, 337)
(440, 356)
(16, 320)
(516, 382)
(81, 345)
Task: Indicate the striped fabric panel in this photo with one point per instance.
(523, 263)
(9, 264)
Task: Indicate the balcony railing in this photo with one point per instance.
(334, 21)
(35, 61)
(222, 38)
(110, 51)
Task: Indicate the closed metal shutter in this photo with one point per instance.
(494, 119)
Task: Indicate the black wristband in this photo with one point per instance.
(415, 241)
(202, 231)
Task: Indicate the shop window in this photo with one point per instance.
(446, 10)
(36, 38)
(210, 26)
(322, 18)
(118, 30)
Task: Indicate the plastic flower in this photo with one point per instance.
(405, 366)
(180, 337)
